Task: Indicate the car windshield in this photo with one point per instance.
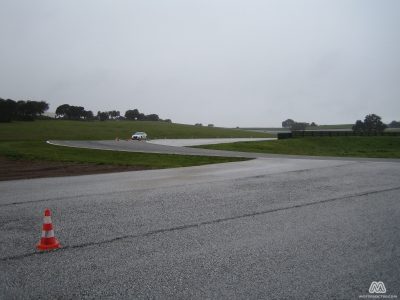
(138, 133)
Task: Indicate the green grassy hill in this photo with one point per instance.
(109, 130)
(356, 146)
(26, 141)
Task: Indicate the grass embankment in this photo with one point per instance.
(109, 130)
(40, 151)
(26, 141)
(378, 147)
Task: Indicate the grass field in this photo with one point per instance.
(40, 151)
(380, 146)
(26, 141)
(109, 130)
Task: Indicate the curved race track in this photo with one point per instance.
(166, 147)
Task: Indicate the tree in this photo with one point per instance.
(394, 124)
(141, 117)
(40, 107)
(88, 115)
(152, 117)
(313, 124)
(129, 115)
(8, 110)
(75, 112)
(132, 114)
(29, 110)
(210, 125)
(21, 110)
(288, 123)
(358, 127)
(298, 126)
(71, 112)
(102, 116)
(114, 114)
(62, 110)
(374, 124)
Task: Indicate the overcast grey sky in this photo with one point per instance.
(231, 63)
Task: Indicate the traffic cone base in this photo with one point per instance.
(54, 245)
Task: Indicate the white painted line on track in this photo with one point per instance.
(138, 151)
(106, 149)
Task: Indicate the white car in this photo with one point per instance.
(139, 136)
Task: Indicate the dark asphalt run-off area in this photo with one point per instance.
(269, 228)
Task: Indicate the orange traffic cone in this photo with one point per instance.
(48, 241)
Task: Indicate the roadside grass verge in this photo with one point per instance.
(40, 151)
(42, 130)
(376, 147)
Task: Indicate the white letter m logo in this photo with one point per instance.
(377, 288)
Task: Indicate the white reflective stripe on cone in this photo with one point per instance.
(47, 220)
(48, 234)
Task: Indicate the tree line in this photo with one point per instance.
(70, 112)
(29, 110)
(372, 124)
(21, 110)
(297, 126)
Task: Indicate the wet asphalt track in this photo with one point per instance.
(269, 228)
(164, 147)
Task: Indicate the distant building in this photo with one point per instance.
(49, 114)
